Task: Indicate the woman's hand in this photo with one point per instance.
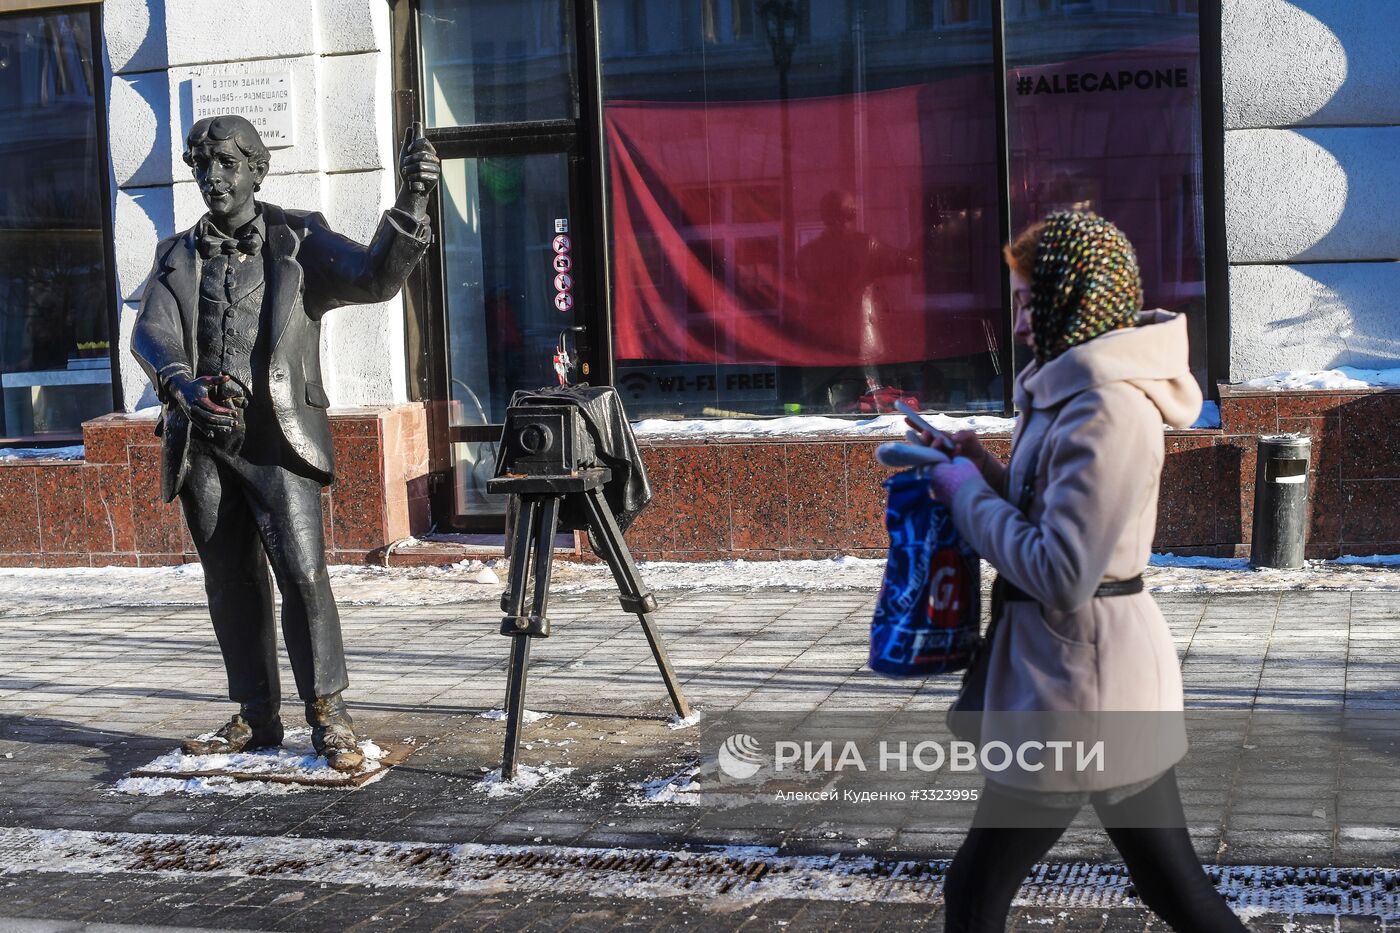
(948, 478)
(966, 444)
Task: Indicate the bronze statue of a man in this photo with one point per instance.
(229, 333)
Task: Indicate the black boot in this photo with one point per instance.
(333, 733)
(254, 726)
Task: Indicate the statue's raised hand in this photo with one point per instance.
(421, 168)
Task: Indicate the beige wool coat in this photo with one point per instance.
(1098, 412)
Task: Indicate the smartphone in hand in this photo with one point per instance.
(940, 440)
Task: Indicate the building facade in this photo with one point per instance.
(733, 209)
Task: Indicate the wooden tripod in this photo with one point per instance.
(538, 500)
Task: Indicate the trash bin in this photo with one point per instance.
(1281, 501)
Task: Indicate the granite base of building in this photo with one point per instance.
(106, 510)
(762, 499)
(718, 499)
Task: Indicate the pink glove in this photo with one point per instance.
(948, 478)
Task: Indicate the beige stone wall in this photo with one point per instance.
(342, 162)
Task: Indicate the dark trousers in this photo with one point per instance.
(992, 863)
(244, 513)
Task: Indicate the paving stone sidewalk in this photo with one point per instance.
(87, 696)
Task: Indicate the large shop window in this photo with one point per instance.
(804, 194)
(55, 369)
(1105, 116)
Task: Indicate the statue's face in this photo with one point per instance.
(225, 178)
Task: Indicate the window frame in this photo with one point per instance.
(580, 138)
(106, 188)
(46, 6)
(591, 149)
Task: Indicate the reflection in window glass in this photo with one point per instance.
(497, 61)
(55, 368)
(499, 270)
(804, 219)
(1105, 116)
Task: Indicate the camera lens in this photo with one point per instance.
(535, 438)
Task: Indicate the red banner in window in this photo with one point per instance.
(881, 249)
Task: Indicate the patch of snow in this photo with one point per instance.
(1247, 914)
(677, 722)
(29, 591)
(1168, 573)
(729, 879)
(1343, 377)
(1198, 563)
(527, 777)
(499, 715)
(202, 786)
(1373, 560)
(878, 426)
(834, 573)
(679, 788)
(298, 761)
(74, 452)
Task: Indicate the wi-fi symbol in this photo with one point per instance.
(634, 383)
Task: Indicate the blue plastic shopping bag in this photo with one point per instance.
(927, 617)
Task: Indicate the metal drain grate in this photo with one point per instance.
(651, 873)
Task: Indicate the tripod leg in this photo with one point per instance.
(514, 605)
(609, 541)
(547, 519)
(515, 702)
(513, 602)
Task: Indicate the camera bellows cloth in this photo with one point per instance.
(628, 491)
(929, 608)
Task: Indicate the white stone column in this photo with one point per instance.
(342, 162)
(1312, 183)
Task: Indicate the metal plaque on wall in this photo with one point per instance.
(264, 99)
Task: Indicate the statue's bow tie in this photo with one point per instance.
(211, 245)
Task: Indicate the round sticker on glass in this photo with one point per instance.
(562, 243)
(563, 282)
(562, 262)
(564, 301)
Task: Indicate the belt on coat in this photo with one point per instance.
(1012, 593)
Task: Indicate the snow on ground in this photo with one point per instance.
(27, 591)
(499, 715)
(527, 777)
(1169, 573)
(724, 878)
(202, 787)
(1375, 560)
(1343, 377)
(878, 426)
(294, 759)
(42, 453)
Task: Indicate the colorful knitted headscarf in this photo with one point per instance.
(1085, 283)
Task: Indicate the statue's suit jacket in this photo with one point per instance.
(310, 269)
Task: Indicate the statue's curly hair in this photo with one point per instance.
(243, 133)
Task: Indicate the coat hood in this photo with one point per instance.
(1153, 357)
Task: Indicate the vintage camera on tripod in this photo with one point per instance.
(545, 440)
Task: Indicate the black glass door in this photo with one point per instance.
(497, 87)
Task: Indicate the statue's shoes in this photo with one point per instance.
(337, 743)
(236, 735)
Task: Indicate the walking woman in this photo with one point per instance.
(1069, 526)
